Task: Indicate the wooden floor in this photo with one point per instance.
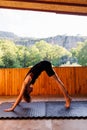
(42, 124)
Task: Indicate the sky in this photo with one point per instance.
(38, 24)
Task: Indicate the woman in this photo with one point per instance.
(30, 78)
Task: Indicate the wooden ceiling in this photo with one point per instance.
(77, 7)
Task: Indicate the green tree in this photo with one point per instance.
(9, 50)
(34, 55)
(44, 49)
(57, 53)
(22, 56)
(50, 52)
(1, 60)
(82, 55)
(76, 50)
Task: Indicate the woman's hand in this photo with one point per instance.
(9, 109)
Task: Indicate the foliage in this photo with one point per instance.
(80, 53)
(9, 56)
(12, 55)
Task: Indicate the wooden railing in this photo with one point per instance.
(74, 78)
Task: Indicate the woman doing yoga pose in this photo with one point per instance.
(30, 78)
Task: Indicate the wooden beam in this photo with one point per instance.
(78, 7)
(73, 2)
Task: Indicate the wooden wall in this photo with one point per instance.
(74, 78)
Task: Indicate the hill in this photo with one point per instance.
(67, 42)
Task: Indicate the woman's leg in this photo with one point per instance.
(63, 90)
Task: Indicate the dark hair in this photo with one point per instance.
(26, 94)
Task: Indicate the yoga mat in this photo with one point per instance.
(45, 110)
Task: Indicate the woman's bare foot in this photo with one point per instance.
(68, 102)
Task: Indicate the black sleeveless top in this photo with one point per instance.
(40, 67)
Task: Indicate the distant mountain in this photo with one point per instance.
(63, 40)
(66, 41)
(7, 35)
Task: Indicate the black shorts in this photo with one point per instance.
(37, 69)
(49, 70)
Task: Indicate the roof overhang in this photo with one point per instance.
(77, 7)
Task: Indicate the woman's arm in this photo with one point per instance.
(19, 98)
